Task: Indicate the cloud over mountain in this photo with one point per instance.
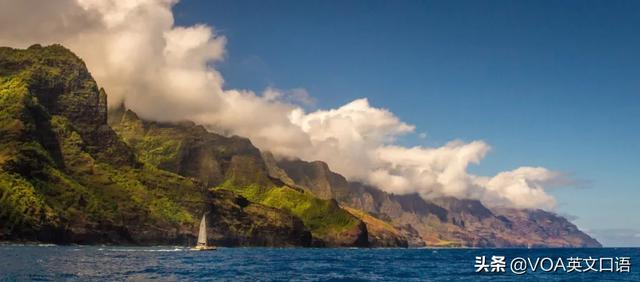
(164, 72)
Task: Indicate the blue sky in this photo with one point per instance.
(545, 83)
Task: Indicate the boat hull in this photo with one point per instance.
(203, 248)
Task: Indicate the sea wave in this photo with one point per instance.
(120, 263)
(176, 249)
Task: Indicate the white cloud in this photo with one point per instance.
(132, 48)
(433, 171)
(522, 187)
(164, 72)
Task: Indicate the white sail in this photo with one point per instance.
(202, 235)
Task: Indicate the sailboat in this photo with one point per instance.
(202, 238)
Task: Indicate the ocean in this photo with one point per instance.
(111, 263)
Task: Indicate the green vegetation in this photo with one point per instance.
(65, 174)
(372, 222)
(49, 176)
(158, 150)
(20, 205)
(229, 163)
(322, 217)
(157, 147)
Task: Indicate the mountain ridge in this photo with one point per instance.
(240, 168)
(72, 172)
(444, 221)
(67, 177)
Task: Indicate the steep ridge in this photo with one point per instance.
(379, 232)
(443, 221)
(67, 177)
(72, 173)
(234, 164)
(58, 157)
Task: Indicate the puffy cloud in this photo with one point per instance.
(164, 72)
(431, 171)
(132, 48)
(22, 22)
(347, 136)
(522, 187)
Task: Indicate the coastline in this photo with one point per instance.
(44, 244)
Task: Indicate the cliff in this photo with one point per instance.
(441, 221)
(72, 172)
(67, 177)
(234, 164)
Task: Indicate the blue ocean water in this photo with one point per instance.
(44, 263)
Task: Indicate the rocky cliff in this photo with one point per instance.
(70, 172)
(67, 177)
(234, 164)
(442, 221)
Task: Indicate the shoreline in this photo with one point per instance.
(43, 244)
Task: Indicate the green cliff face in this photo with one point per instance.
(234, 164)
(58, 160)
(67, 177)
(72, 173)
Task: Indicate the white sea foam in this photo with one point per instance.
(177, 249)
